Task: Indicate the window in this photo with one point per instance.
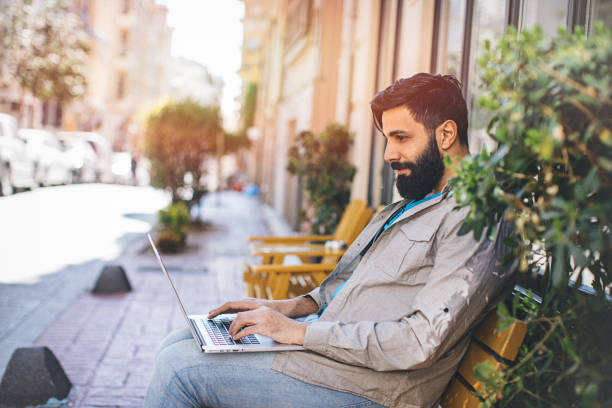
(601, 10)
(413, 36)
(488, 23)
(548, 14)
(450, 42)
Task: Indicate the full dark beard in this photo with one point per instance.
(424, 176)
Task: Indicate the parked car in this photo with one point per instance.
(101, 147)
(16, 168)
(45, 149)
(122, 168)
(81, 159)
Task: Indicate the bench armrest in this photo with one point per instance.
(292, 239)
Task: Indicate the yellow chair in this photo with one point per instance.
(284, 281)
(487, 344)
(273, 280)
(273, 250)
(344, 231)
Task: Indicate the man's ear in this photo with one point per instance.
(446, 134)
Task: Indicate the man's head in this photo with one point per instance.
(423, 118)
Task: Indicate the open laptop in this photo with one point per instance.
(212, 334)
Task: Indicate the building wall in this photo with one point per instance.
(371, 44)
(299, 65)
(129, 64)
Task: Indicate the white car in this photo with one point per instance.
(82, 160)
(101, 147)
(46, 151)
(122, 168)
(16, 167)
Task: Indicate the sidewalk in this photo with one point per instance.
(106, 344)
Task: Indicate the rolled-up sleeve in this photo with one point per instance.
(314, 295)
(466, 276)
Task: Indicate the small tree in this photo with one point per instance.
(44, 49)
(551, 177)
(179, 136)
(322, 162)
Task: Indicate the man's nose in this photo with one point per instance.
(391, 154)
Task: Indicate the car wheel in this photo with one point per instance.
(6, 186)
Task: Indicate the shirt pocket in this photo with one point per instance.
(417, 262)
(404, 257)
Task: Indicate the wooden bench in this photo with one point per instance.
(487, 344)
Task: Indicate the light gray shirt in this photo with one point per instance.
(397, 330)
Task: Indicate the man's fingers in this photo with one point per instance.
(235, 306)
(241, 320)
(218, 310)
(245, 332)
(230, 307)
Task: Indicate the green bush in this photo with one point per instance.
(179, 136)
(173, 223)
(321, 160)
(552, 177)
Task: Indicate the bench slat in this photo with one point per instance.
(474, 356)
(505, 344)
(458, 395)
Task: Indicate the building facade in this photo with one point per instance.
(322, 61)
(127, 67)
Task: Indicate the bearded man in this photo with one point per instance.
(390, 324)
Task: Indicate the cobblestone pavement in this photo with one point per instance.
(106, 344)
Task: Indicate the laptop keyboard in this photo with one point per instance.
(218, 332)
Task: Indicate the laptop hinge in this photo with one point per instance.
(197, 333)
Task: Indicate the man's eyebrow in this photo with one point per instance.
(397, 132)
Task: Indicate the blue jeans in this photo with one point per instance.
(186, 377)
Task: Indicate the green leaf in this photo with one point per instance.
(485, 372)
(505, 319)
(569, 348)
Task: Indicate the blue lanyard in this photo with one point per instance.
(387, 225)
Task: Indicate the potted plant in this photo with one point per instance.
(321, 160)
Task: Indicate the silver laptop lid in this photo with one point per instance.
(161, 263)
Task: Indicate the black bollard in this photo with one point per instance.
(112, 280)
(32, 376)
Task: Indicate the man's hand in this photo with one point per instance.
(296, 307)
(270, 323)
(236, 306)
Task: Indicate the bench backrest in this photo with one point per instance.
(350, 216)
(487, 344)
(359, 218)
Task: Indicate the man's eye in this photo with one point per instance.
(400, 138)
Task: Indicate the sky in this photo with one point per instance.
(210, 32)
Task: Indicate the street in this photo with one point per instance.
(47, 229)
(106, 344)
(53, 243)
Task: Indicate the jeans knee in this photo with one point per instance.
(173, 338)
(173, 380)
